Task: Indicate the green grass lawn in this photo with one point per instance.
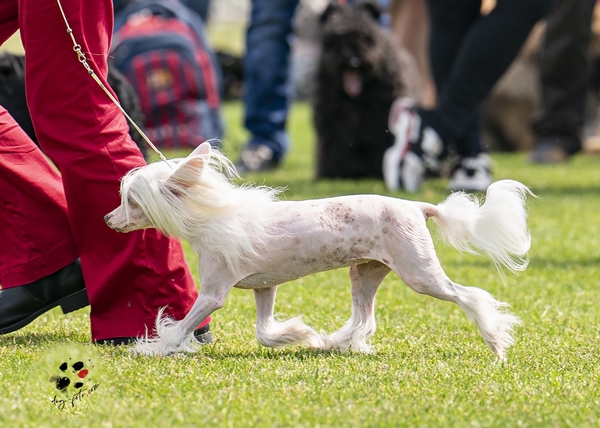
(431, 368)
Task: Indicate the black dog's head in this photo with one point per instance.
(351, 48)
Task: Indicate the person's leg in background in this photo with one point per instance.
(201, 7)
(450, 28)
(488, 49)
(449, 24)
(465, 74)
(564, 73)
(410, 27)
(128, 277)
(266, 82)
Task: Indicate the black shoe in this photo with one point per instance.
(255, 159)
(554, 149)
(549, 154)
(471, 174)
(21, 305)
(202, 335)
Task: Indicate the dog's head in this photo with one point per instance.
(351, 43)
(155, 195)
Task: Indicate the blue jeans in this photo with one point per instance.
(266, 72)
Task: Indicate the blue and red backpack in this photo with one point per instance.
(160, 47)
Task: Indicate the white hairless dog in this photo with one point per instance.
(246, 238)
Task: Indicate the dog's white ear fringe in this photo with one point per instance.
(203, 151)
(188, 171)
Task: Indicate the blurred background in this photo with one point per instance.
(508, 112)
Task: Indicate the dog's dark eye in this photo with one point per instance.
(131, 202)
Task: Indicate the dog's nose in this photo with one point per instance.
(106, 218)
(355, 62)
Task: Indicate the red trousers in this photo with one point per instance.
(48, 219)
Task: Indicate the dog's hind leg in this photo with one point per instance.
(276, 334)
(365, 279)
(492, 317)
(423, 273)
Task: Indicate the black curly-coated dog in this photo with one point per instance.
(12, 96)
(360, 74)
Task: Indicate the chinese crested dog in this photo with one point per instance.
(248, 239)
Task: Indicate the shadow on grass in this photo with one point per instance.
(398, 351)
(39, 339)
(304, 354)
(561, 263)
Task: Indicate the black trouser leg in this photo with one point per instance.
(564, 74)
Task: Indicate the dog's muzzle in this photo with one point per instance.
(107, 220)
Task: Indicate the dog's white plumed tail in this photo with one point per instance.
(498, 227)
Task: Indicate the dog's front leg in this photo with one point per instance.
(177, 336)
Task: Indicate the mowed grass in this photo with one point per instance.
(431, 368)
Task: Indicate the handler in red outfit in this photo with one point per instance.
(48, 221)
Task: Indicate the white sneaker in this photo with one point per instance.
(412, 172)
(473, 174)
(403, 167)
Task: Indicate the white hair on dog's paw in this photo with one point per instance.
(276, 334)
(169, 340)
(353, 336)
(493, 319)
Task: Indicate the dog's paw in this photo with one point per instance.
(361, 347)
(158, 347)
(321, 342)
